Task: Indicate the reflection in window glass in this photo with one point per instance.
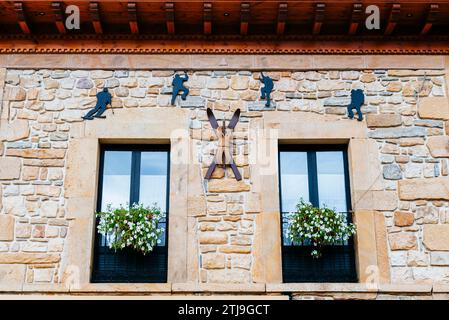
(294, 182)
(153, 183)
(116, 183)
(331, 180)
(153, 179)
(116, 178)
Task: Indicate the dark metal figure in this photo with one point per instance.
(357, 100)
(178, 85)
(266, 90)
(223, 156)
(103, 99)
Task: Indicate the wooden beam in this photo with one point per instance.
(59, 16)
(20, 11)
(431, 18)
(319, 18)
(393, 18)
(244, 18)
(170, 17)
(132, 17)
(282, 18)
(356, 18)
(94, 10)
(207, 17)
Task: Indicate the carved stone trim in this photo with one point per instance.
(137, 44)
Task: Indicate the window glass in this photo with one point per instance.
(153, 183)
(294, 182)
(331, 180)
(153, 179)
(116, 178)
(294, 185)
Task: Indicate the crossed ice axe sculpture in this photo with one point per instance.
(223, 155)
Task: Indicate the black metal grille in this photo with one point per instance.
(128, 265)
(337, 263)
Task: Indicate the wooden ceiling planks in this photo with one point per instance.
(132, 16)
(228, 17)
(21, 17)
(58, 12)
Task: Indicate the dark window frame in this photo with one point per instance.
(135, 257)
(305, 268)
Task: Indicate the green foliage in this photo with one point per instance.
(318, 226)
(135, 227)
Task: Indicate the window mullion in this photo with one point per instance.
(135, 177)
(313, 178)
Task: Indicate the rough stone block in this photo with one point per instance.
(417, 259)
(403, 241)
(427, 189)
(227, 185)
(11, 275)
(10, 168)
(213, 238)
(192, 102)
(436, 237)
(43, 274)
(49, 209)
(213, 261)
(434, 108)
(383, 120)
(37, 153)
(228, 276)
(28, 258)
(392, 172)
(403, 218)
(235, 249)
(261, 106)
(337, 102)
(16, 130)
(438, 146)
(439, 258)
(23, 230)
(6, 227)
(400, 132)
(15, 93)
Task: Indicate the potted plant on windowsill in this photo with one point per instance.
(136, 227)
(318, 226)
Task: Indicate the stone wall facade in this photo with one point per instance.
(406, 194)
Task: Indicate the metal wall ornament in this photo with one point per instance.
(265, 91)
(223, 155)
(357, 100)
(178, 85)
(103, 99)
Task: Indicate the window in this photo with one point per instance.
(130, 174)
(318, 174)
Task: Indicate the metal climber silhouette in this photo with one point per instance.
(357, 100)
(266, 90)
(103, 99)
(178, 85)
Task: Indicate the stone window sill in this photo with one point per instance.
(356, 288)
(252, 289)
